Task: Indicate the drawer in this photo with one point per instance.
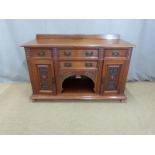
(78, 53)
(116, 53)
(78, 64)
(40, 53)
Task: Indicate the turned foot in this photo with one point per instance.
(123, 101)
(34, 100)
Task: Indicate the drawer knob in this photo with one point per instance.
(67, 64)
(88, 64)
(41, 53)
(67, 53)
(88, 53)
(115, 53)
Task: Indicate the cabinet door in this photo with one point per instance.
(113, 77)
(43, 75)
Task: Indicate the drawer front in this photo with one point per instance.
(78, 64)
(41, 53)
(116, 53)
(78, 53)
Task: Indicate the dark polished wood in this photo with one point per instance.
(78, 67)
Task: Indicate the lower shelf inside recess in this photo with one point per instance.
(79, 86)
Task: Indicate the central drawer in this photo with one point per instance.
(78, 53)
(78, 64)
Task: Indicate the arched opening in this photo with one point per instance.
(82, 85)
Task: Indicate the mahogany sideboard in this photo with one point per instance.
(78, 67)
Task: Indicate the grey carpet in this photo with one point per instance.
(20, 115)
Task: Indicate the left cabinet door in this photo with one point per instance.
(43, 75)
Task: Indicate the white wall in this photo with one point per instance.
(14, 32)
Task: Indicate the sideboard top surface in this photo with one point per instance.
(44, 40)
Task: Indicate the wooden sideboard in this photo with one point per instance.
(78, 67)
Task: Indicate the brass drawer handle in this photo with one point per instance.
(67, 64)
(67, 53)
(41, 53)
(115, 53)
(88, 64)
(88, 53)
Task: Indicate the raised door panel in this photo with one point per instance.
(44, 77)
(113, 77)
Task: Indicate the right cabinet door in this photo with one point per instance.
(113, 77)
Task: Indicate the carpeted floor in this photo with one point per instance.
(20, 115)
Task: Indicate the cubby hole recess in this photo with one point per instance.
(80, 85)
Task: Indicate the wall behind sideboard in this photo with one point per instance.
(15, 32)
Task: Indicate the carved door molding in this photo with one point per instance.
(112, 76)
(45, 81)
